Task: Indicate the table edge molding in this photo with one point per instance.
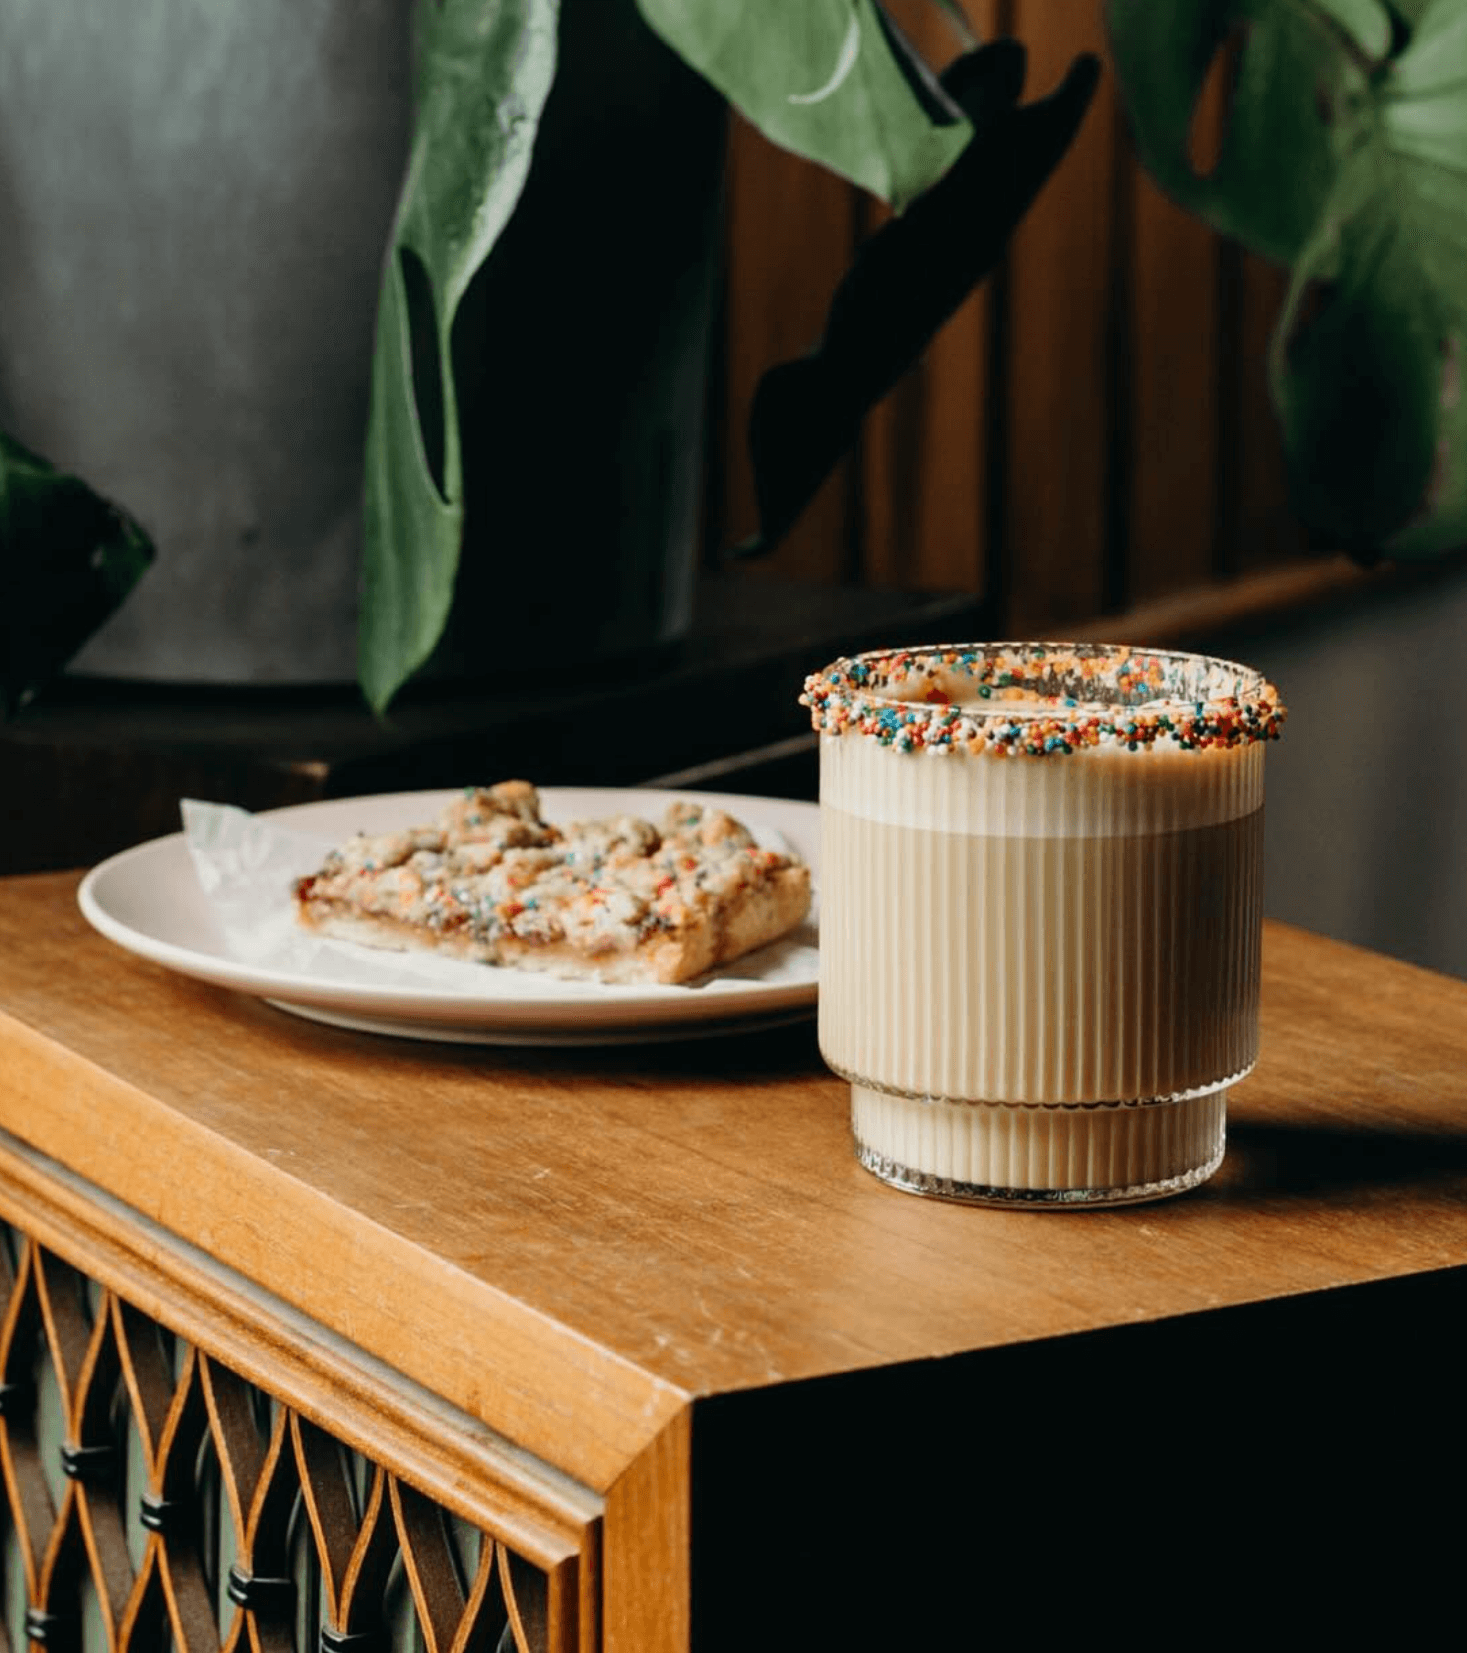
(453, 1457)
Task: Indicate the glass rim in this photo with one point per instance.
(1038, 698)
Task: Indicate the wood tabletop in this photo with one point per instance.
(520, 1230)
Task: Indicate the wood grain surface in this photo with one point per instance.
(1092, 431)
(923, 451)
(791, 231)
(569, 1244)
(1062, 377)
(649, 1542)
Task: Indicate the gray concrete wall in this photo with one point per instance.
(1366, 836)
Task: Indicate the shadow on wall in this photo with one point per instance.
(1367, 791)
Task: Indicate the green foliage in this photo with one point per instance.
(1346, 158)
(67, 559)
(818, 78)
(824, 78)
(484, 72)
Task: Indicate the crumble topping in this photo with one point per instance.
(492, 881)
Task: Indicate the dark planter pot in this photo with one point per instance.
(581, 355)
(194, 206)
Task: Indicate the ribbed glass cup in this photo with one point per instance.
(1040, 914)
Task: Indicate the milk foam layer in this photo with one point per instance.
(1097, 793)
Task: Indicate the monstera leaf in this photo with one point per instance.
(829, 79)
(67, 559)
(1346, 157)
(484, 72)
(821, 78)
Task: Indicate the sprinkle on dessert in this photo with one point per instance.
(616, 899)
(1042, 699)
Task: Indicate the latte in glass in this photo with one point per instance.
(1040, 913)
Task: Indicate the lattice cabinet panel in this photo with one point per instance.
(156, 1502)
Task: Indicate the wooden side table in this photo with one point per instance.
(316, 1335)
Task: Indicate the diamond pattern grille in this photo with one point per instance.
(156, 1502)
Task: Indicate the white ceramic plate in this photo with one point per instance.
(149, 900)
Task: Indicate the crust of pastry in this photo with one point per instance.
(720, 897)
(743, 925)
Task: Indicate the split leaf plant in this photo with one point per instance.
(1345, 158)
(831, 80)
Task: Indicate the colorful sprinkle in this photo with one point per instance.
(1040, 699)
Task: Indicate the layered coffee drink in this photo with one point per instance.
(1040, 913)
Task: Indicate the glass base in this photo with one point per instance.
(1041, 1155)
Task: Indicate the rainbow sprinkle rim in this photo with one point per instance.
(1038, 699)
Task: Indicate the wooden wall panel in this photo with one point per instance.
(924, 493)
(1175, 339)
(1260, 530)
(1092, 430)
(1057, 326)
(791, 233)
